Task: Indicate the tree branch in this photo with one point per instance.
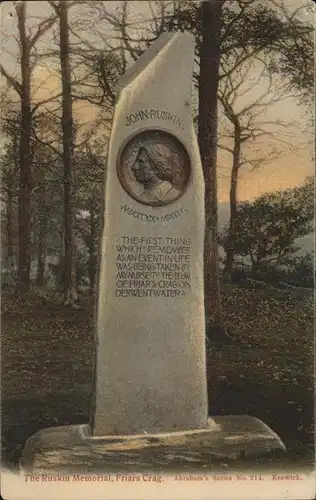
(43, 26)
(12, 81)
(45, 101)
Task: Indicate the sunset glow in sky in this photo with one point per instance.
(289, 169)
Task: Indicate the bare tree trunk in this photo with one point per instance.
(210, 12)
(9, 230)
(41, 254)
(69, 289)
(24, 221)
(230, 253)
(26, 42)
(40, 275)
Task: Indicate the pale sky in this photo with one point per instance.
(288, 170)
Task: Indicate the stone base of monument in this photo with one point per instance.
(226, 440)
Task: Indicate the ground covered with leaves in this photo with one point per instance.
(264, 368)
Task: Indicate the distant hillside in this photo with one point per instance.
(307, 244)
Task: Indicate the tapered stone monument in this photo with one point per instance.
(149, 392)
(150, 365)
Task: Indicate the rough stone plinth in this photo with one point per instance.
(72, 449)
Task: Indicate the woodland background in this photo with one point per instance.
(252, 98)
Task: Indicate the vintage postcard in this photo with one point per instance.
(157, 205)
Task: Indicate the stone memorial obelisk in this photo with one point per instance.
(150, 365)
(149, 390)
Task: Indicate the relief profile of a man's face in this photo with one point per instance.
(158, 163)
(143, 168)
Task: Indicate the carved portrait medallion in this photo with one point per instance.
(154, 168)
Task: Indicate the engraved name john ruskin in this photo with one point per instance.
(153, 266)
(151, 114)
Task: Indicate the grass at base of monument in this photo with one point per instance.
(267, 371)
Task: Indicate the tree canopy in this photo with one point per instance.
(267, 228)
